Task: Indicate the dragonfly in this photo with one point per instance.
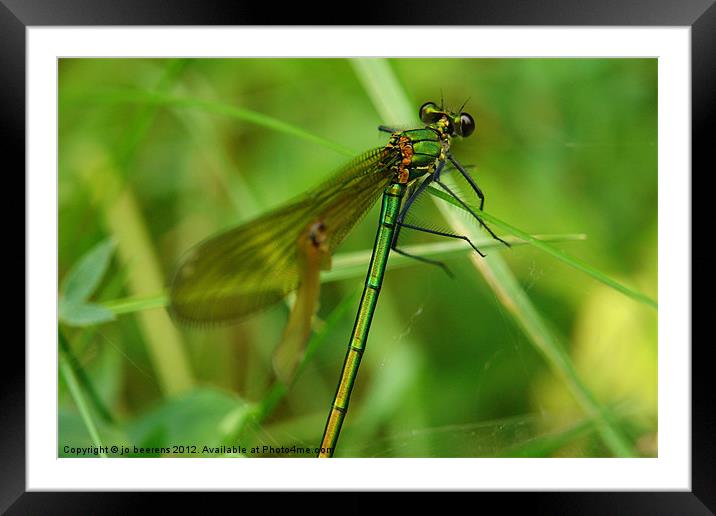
(250, 267)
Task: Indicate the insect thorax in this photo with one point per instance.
(420, 152)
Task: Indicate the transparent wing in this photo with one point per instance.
(254, 265)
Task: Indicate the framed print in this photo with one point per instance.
(478, 235)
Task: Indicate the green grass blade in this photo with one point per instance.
(385, 86)
(83, 379)
(557, 253)
(155, 98)
(68, 375)
(352, 265)
(123, 218)
(136, 304)
(104, 176)
(388, 96)
(139, 125)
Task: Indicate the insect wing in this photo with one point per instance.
(254, 265)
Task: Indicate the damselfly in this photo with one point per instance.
(256, 264)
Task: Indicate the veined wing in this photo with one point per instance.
(254, 265)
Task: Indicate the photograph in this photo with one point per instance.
(357, 257)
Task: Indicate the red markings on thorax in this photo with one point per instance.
(406, 150)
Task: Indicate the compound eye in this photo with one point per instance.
(467, 124)
(429, 113)
(450, 127)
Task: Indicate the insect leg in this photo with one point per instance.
(409, 202)
(425, 260)
(470, 211)
(445, 234)
(399, 224)
(386, 129)
(440, 233)
(469, 179)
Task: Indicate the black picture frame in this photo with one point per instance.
(17, 15)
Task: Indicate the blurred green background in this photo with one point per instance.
(154, 155)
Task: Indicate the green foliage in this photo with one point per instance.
(198, 416)
(80, 283)
(160, 154)
(557, 253)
